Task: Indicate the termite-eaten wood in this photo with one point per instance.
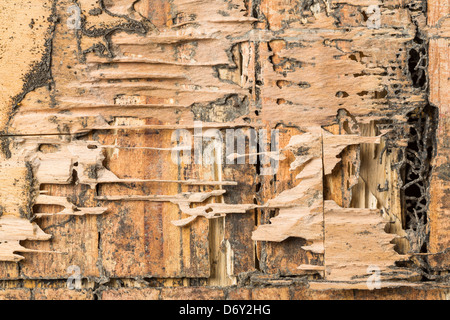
(367, 245)
(54, 161)
(69, 208)
(131, 73)
(13, 230)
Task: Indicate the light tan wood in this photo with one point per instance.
(13, 230)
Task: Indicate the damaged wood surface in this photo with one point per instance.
(98, 96)
(350, 257)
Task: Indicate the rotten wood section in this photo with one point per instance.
(92, 118)
(349, 257)
(12, 231)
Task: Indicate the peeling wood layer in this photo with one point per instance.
(12, 231)
(367, 246)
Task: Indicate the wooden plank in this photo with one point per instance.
(439, 71)
(138, 238)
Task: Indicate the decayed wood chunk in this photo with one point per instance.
(138, 237)
(355, 242)
(179, 60)
(318, 65)
(333, 145)
(13, 230)
(308, 222)
(300, 208)
(69, 208)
